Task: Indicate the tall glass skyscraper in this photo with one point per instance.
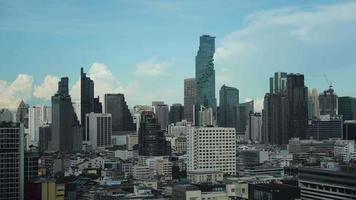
(205, 73)
(86, 97)
(229, 100)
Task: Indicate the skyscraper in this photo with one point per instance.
(297, 95)
(120, 113)
(176, 113)
(243, 112)
(151, 138)
(99, 129)
(328, 103)
(229, 100)
(38, 116)
(63, 119)
(275, 119)
(278, 83)
(189, 98)
(313, 104)
(98, 107)
(11, 161)
(254, 127)
(347, 107)
(162, 114)
(205, 72)
(22, 113)
(86, 97)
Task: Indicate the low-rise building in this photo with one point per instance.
(201, 176)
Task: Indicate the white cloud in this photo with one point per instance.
(12, 93)
(47, 89)
(152, 67)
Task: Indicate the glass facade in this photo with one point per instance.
(229, 100)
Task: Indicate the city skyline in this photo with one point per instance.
(293, 31)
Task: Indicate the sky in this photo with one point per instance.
(145, 49)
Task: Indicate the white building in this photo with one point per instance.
(344, 149)
(206, 117)
(38, 116)
(99, 129)
(212, 148)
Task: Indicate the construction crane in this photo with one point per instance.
(330, 84)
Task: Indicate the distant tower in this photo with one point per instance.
(313, 104)
(176, 113)
(121, 117)
(205, 72)
(243, 112)
(328, 102)
(297, 95)
(86, 96)
(162, 114)
(98, 107)
(229, 100)
(278, 83)
(190, 94)
(22, 113)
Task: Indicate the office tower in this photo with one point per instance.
(151, 138)
(328, 102)
(205, 73)
(31, 165)
(278, 83)
(38, 116)
(44, 137)
(212, 149)
(22, 113)
(98, 107)
(243, 112)
(11, 161)
(254, 127)
(176, 113)
(324, 128)
(229, 100)
(162, 115)
(99, 129)
(86, 96)
(297, 95)
(156, 103)
(347, 107)
(206, 117)
(5, 115)
(137, 110)
(313, 104)
(190, 94)
(275, 119)
(116, 105)
(322, 183)
(349, 130)
(63, 119)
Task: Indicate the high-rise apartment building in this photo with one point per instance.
(313, 104)
(189, 98)
(99, 129)
(212, 149)
(116, 105)
(162, 114)
(63, 119)
(328, 102)
(11, 161)
(86, 97)
(38, 116)
(229, 101)
(254, 127)
(243, 112)
(151, 138)
(297, 95)
(347, 107)
(176, 113)
(205, 72)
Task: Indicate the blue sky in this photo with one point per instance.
(146, 48)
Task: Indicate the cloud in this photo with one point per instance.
(312, 40)
(152, 67)
(47, 89)
(12, 93)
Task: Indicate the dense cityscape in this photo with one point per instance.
(302, 145)
(178, 100)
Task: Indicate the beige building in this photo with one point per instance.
(52, 191)
(199, 176)
(142, 172)
(164, 169)
(131, 141)
(181, 145)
